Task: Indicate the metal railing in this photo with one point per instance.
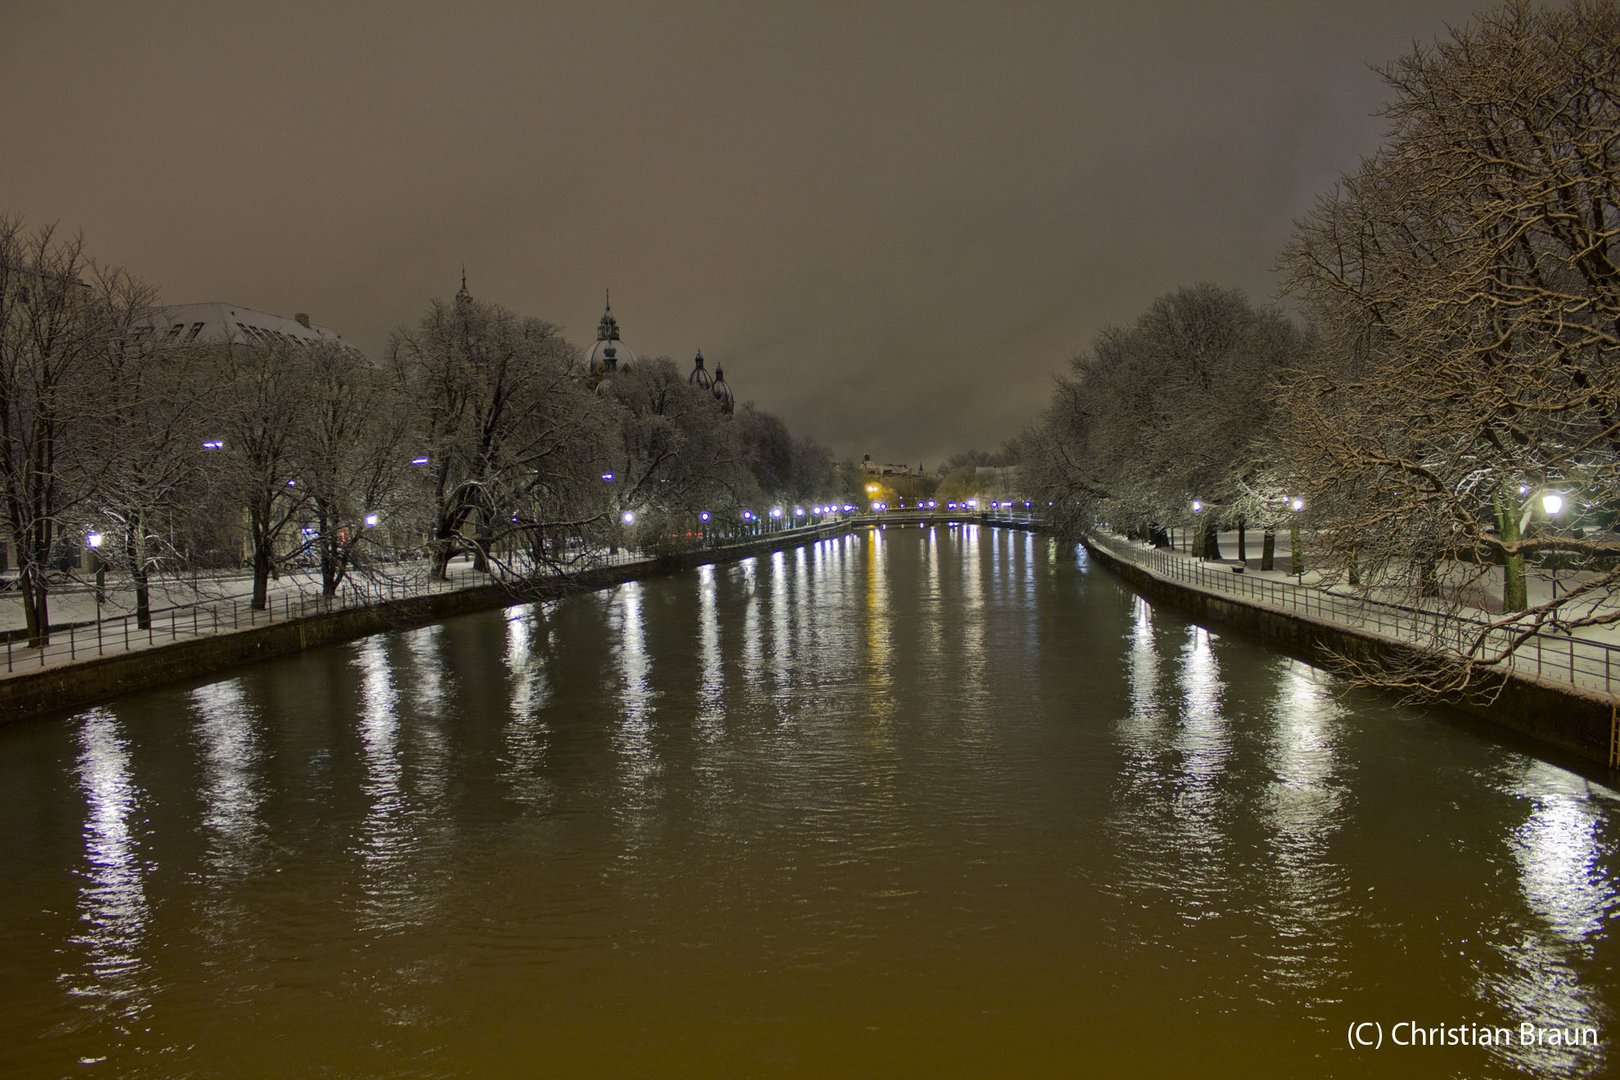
(1564, 658)
(206, 618)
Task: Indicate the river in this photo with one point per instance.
(921, 801)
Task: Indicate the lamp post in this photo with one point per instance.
(1296, 504)
(1553, 504)
(93, 542)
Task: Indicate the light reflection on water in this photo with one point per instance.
(1307, 887)
(923, 800)
(1534, 968)
(113, 909)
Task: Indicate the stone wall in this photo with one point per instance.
(1559, 715)
(67, 687)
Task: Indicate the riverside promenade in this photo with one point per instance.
(1562, 687)
(98, 650)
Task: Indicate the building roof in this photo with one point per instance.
(216, 323)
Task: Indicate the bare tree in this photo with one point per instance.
(59, 314)
(350, 457)
(262, 421)
(1465, 282)
(147, 484)
(505, 423)
(676, 454)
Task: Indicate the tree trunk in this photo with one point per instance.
(1514, 592)
(1268, 549)
(481, 541)
(36, 611)
(1158, 537)
(1210, 539)
(1429, 577)
(136, 547)
(1243, 543)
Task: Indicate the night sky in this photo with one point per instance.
(891, 223)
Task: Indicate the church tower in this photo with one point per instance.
(610, 353)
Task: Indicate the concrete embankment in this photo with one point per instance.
(64, 687)
(1563, 716)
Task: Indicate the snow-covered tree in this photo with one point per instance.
(60, 315)
(511, 435)
(1466, 281)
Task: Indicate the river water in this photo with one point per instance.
(938, 801)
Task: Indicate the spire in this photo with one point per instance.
(463, 297)
(608, 328)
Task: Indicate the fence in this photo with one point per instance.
(229, 614)
(1578, 662)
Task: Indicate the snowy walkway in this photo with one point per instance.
(83, 629)
(1588, 659)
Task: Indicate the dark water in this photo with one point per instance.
(926, 802)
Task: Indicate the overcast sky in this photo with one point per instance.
(891, 223)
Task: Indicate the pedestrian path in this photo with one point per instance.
(1588, 659)
(85, 626)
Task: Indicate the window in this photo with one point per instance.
(196, 328)
(174, 331)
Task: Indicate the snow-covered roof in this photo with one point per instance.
(217, 323)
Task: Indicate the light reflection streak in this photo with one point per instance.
(1561, 862)
(113, 907)
(781, 646)
(232, 784)
(632, 734)
(712, 687)
(387, 844)
(1307, 893)
(1559, 853)
(1203, 742)
(879, 634)
(526, 742)
(973, 677)
(753, 648)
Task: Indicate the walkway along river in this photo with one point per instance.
(921, 800)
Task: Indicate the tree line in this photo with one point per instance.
(478, 432)
(1449, 415)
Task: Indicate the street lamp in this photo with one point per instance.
(1553, 503)
(93, 542)
(1296, 504)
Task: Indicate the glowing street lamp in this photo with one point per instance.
(93, 542)
(1296, 504)
(628, 517)
(1552, 503)
(372, 520)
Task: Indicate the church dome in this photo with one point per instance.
(700, 377)
(609, 354)
(722, 392)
